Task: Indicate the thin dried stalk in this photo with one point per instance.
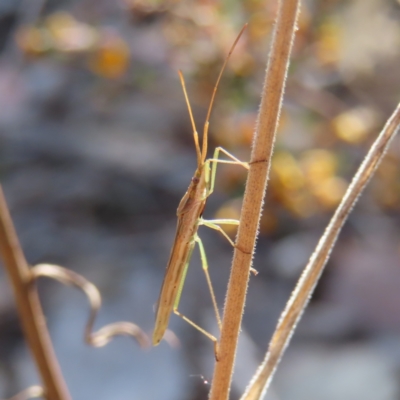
(271, 104)
(309, 278)
(29, 309)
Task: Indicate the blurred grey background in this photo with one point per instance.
(96, 152)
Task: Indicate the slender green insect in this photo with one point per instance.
(189, 214)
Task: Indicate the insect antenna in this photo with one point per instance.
(207, 122)
(195, 134)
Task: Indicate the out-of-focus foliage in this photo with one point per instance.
(61, 34)
(197, 36)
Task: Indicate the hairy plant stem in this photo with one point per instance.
(268, 117)
(29, 309)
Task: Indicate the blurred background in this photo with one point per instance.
(96, 151)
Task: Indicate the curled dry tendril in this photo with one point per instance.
(105, 334)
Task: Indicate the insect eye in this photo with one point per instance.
(195, 179)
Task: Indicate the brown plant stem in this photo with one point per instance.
(271, 103)
(312, 272)
(29, 309)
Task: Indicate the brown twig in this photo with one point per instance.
(309, 278)
(271, 103)
(29, 309)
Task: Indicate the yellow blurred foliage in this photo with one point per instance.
(287, 170)
(354, 125)
(303, 185)
(61, 32)
(318, 165)
(300, 203)
(330, 191)
(111, 57)
(288, 182)
(32, 40)
(68, 34)
(328, 45)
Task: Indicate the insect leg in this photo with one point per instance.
(177, 300)
(203, 331)
(213, 170)
(204, 264)
(231, 156)
(215, 224)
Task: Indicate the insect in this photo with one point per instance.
(189, 214)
